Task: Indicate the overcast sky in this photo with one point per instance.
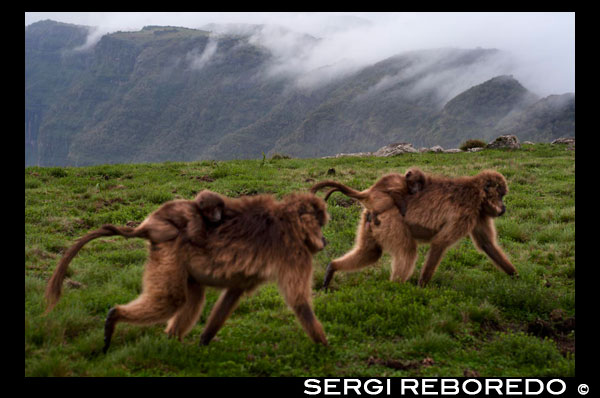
(543, 44)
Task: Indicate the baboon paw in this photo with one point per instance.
(204, 340)
(109, 326)
(174, 333)
(328, 275)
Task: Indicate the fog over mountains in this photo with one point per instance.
(233, 91)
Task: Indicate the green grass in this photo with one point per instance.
(471, 317)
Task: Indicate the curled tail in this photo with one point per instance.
(346, 190)
(53, 290)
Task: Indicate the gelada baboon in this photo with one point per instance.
(189, 219)
(259, 240)
(390, 190)
(445, 210)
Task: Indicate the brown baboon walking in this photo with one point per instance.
(260, 239)
(445, 210)
(390, 190)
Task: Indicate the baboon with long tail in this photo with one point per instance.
(444, 211)
(259, 240)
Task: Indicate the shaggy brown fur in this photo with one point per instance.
(446, 210)
(260, 239)
(390, 190)
(188, 218)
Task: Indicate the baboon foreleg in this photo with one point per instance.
(484, 237)
(296, 289)
(309, 322)
(221, 311)
(187, 316)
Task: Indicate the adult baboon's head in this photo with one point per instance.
(494, 188)
(313, 215)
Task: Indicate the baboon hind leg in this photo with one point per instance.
(147, 309)
(187, 316)
(220, 312)
(358, 257)
(434, 256)
(163, 293)
(403, 261)
(365, 252)
(445, 238)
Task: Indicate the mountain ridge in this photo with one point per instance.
(170, 93)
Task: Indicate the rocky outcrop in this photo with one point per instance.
(395, 149)
(564, 140)
(505, 142)
(569, 141)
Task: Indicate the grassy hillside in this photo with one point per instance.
(471, 320)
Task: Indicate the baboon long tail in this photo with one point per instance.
(346, 190)
(54, 288)
(328, 194)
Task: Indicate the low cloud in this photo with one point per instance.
(313, 48)
(198, 61)
(93, 37)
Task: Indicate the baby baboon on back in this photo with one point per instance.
(187, 219)
(415, 180)
(390, 190)
(259, 240)
(446, 210)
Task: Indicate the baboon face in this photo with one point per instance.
(494, 190)
(314, 216)
(415, 180)
(215, 214)
(211, 206)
